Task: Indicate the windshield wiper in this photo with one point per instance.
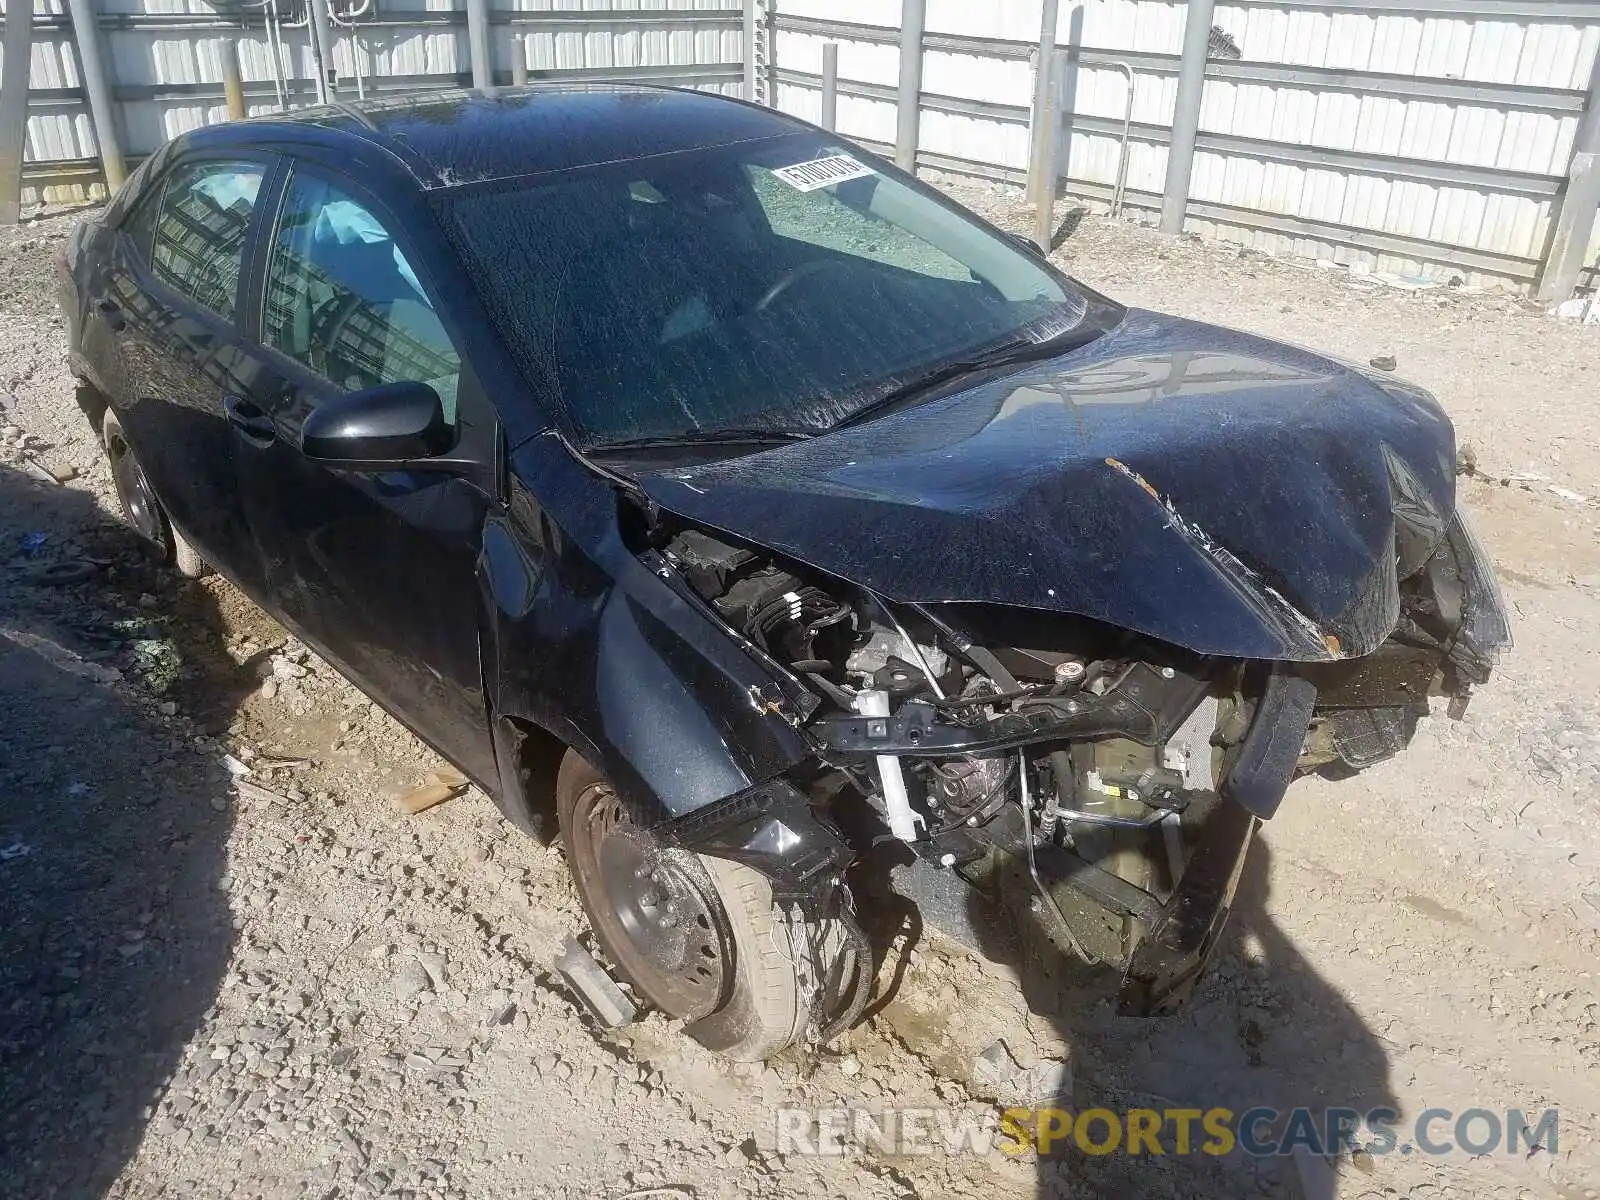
(1004, 355)
(706, 437)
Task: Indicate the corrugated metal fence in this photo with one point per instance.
(164, 60)
(1432, 137)
(1423, 138)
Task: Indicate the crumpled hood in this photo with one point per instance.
(1212, 489)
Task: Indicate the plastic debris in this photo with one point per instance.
(32, 543)
(14, 850)
(1384, 362)
(234, 767)
(995, 1066)
(1583, 309)
(1013, 1084)
(594, 987)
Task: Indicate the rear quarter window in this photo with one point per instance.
(140, 226)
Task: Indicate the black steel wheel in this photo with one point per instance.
(655, 908)
(139, 504)
(697, 937)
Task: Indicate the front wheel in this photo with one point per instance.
(697, 937)
(140, 507)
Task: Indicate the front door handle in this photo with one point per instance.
(251, 420)
(111, 313)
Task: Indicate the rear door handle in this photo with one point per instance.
(251, 420)
(111, 312)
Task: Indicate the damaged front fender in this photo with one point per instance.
(615, 661)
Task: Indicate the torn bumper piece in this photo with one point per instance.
(1173, 954)
(771, 828)
(1264, 766)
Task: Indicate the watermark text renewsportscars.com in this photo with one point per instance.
(1259, 1132)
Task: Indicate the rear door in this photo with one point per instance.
(376, 568)
(172, 303)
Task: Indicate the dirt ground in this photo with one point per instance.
(293, 990)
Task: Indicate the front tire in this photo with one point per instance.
(140, 508)
(697, 937)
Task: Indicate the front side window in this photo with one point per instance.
(778, 285)
(342, 300)
(200, 231)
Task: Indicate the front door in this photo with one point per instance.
(375, 568)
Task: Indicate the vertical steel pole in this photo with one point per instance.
(232, 79)
(1186, 114)
(750, 64)
(1573, 222)
(86, 30)
(478, 44)
(322, 47)
(913, 20)
(830, 86)
(519, 59)
(1044, 229)
(14, 106)
(1043, 81)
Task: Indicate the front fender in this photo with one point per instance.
(605, 655)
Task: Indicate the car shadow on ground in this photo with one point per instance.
(114, 932)
(1263, 1029)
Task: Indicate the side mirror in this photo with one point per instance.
(393, 422)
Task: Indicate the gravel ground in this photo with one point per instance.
(297, 991)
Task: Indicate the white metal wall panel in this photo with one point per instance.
(1015, 20)
(862, 12)
(142, 59)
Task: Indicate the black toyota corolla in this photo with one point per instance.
(822, 532)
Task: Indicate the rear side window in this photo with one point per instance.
(342, 300)
(200, 231)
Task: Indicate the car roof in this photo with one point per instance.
(449, 138)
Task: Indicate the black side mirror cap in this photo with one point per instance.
(393, 422)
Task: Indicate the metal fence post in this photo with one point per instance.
(1186, 114)
(1043, 81)
(14, 106)
(830, 86)
(519, 60)
(1573, 221)
(1044, 230)
(478, 44)
(86, 30)
(322, 45)
(232, 79)
(913, 19)
(750, 64)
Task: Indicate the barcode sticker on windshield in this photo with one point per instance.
(823, 172)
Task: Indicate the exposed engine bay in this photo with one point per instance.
(1110, 781)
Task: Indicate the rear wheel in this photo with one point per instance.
(696, 936)
(140, 506)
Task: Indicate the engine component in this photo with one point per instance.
(968, 789)
(885, 647)
(777, 611)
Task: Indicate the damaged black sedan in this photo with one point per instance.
(814, 526)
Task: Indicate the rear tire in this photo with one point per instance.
(758, 1009)
(140, 508)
